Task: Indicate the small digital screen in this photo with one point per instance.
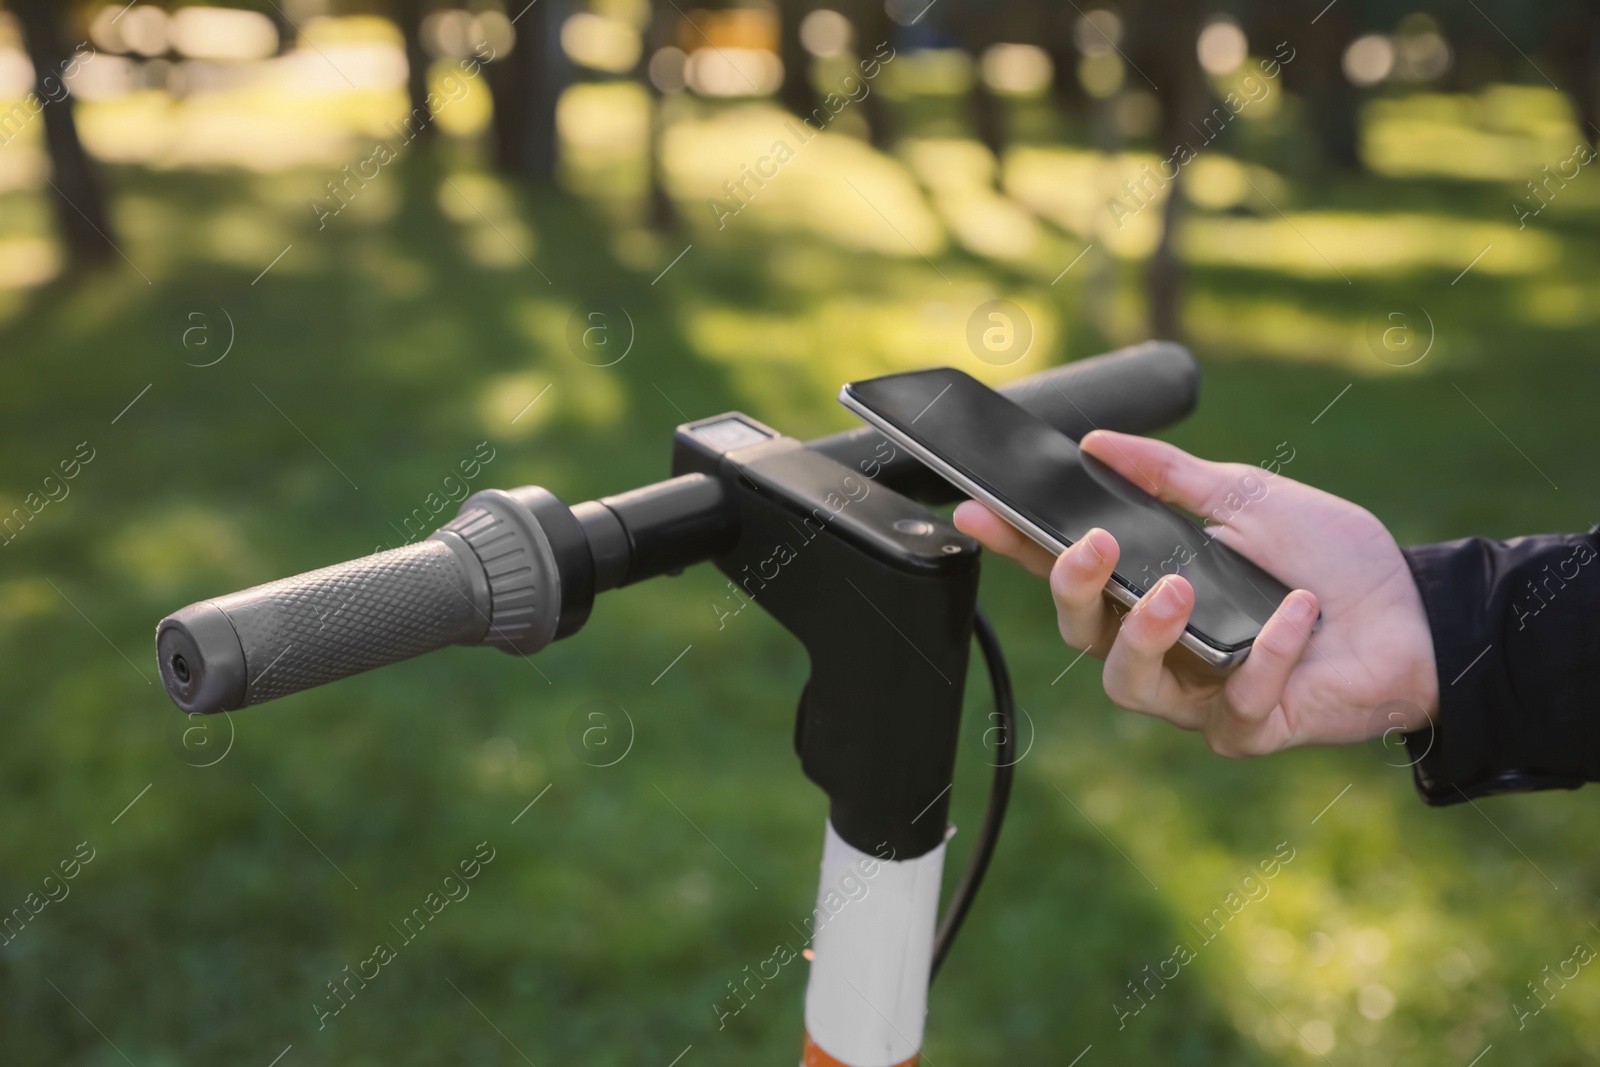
(1040, 473)
(730, 433)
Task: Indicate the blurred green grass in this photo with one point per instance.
(607, 926)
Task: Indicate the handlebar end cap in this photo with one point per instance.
(201, 660)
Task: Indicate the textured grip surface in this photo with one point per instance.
(1134, 390)
(328, 624)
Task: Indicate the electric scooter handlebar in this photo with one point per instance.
(504, 572)
(518, 569)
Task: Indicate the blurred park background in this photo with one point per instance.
(262, 342)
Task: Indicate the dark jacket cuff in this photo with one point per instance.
(1516, 637)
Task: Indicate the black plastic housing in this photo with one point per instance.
(882, 594)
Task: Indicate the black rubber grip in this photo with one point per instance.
(317, 627)
(1135, 390)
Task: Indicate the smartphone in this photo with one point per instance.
(1034, 476)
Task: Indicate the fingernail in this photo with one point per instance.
(1100, 544)
(1166, 600)
(1299, 610)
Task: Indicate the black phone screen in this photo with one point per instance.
(1040, 473)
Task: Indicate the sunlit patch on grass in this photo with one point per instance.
(402, 277)
(24, 599)
(834, 186)
(604, 131)
(1069, 187)
(499, 766)
(1326, 244)
(244, 236)
(777, 358)
(1558, 304)
(325, 31)
(182, 548)
(308, 107)
(495, 234)
(1084, 192)
(518, 405)
(511, 405)
(1276, 329)
(638, 248)
(1218, 182)
(253, 128)
(1502, 134)
(949, 163)
(1117, 199)
(493, 250)
(961, 176)
(23, 164)
(469, 103)
(988, 224)
(27, 261)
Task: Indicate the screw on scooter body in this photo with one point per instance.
(831, 538)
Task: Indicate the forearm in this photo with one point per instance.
(1516, 631)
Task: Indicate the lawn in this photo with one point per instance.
(382, 350)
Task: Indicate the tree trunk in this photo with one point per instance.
(659, 211)
(410, 13)
(1164, 278)
(525, 94)
(663, 216)
(795, 93)
(1163, 43)
(1065, 90)
(76, 198)
(288, 34)
(989, 118)
(1575, 49)
(1332, 103)
(875, 29)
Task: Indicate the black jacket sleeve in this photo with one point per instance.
(1516, 637)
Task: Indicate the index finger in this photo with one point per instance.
(999, 536)
(1165, 471)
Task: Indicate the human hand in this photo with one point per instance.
(1368, 669)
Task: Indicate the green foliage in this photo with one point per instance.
(221, 903)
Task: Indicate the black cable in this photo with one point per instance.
(999, 794)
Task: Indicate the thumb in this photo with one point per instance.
(1165, 471)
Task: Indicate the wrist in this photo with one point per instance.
(1419, 682)
(1425, 667)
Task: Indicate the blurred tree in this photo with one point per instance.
(1056, 39)
(527, 87)
(1317, 74)
(659, 33)
(796, 92)
(1161, 41)
(979, 29)
(874, 27)
(988, 116)
(870, 25)
(76, 198)
(288, 32)
(1575, 54)
(409, 14)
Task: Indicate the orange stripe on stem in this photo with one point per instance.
(813, 1056)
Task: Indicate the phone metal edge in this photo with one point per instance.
(1212, 656)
